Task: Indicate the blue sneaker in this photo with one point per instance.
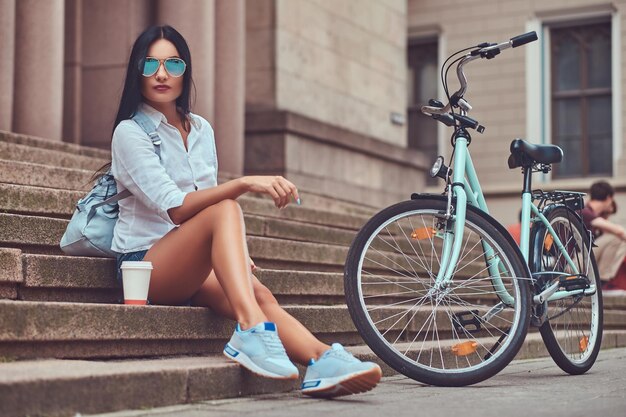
(338, 373)
(259, 350)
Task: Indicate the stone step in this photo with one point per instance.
(78, 387)
(36, 277)
(101, 156)
(44, 233)
(80, 330)
(91, 279)
(59, 155)
(78, 279)
(532, 348)
(59, 387)
(24, 153)
(71, 278)
(46, 176)
(61, 203)
(53, 145)
(71, 179)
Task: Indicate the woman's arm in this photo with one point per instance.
(278, 187)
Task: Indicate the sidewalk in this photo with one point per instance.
(530, 387)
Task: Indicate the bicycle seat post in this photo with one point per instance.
(526, 202)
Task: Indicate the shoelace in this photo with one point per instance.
(273, 343)
(341, 354)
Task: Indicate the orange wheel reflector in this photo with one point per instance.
(583, 343)
(465, 348)
(423, 233)
(547, 244)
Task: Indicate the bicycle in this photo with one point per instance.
(438, 288)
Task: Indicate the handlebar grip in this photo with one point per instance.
(520, 40)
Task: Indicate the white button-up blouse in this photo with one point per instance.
(157, 185)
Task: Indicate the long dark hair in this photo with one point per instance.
(131, 96)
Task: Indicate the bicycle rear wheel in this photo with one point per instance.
(572, 331)
(453, 336)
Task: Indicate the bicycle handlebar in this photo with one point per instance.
(486, 50)
(523, 39)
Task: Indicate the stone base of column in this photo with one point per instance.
(332, 161)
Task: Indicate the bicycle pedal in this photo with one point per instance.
(462, 320)
(574, 282)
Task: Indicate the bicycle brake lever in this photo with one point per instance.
(446, 119)
(481, 47)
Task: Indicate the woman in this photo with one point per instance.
(192, 229)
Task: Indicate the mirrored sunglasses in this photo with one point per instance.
(174, 66)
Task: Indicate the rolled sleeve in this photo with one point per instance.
(137, 167)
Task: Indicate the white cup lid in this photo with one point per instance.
(136, 265)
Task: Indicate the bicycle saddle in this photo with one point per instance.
(526, 154)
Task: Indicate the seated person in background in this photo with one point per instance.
(610, 237)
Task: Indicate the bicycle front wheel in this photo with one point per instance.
(459, 334)
(572, 331)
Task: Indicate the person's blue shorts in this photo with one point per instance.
(130, 256)
(136, 256)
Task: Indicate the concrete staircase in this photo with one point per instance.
(68, 346)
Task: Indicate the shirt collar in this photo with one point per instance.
(156, 116)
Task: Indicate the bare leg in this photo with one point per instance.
(299, 343)
(212, 239)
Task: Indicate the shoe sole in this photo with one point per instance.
(245, 361)
(353, 384)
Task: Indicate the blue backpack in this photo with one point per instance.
(90, 231)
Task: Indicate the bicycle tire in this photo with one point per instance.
(469, 293)
(573, 339)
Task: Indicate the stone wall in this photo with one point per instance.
(322, 80)
(339, 62)
(330, 160)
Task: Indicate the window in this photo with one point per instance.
(581, 99)
(422, 86)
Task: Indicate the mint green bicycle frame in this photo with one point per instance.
(466, 189)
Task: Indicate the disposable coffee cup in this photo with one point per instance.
(136, 281)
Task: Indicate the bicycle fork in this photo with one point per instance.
(462, 190)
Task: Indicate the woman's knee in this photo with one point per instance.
(228, 206)
(223, 208)
(263, 295)
(218, 212)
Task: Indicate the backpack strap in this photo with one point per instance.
(111, 200)
(146, 124)
(117, 197)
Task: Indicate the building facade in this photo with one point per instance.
(327, 92)
(565, 89)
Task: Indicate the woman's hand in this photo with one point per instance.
(280, 189)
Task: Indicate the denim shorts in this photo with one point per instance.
(130, 256)
(136, 256)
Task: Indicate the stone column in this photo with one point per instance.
(230, 36)
(38, 94)
(72, 103)
(195, 20)
(7, 54)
